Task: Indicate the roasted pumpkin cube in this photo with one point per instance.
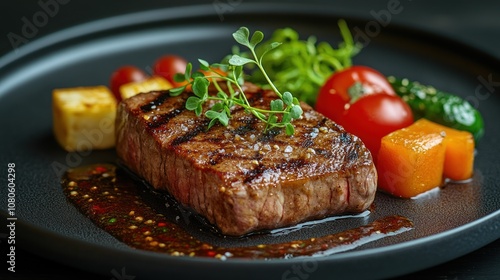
(150, 84)
(84, 118)
(459, 155)
(410, 162)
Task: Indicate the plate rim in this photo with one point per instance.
(60, 255)
(181, 12)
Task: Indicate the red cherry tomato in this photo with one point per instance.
(361, 100)
(373, 116)
(336, 94)
(169, 65)
(125, 75)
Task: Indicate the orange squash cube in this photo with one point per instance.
(459, 155)
(410, 162)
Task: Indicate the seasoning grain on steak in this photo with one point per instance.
(239, 177)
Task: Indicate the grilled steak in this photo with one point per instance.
(239, 177)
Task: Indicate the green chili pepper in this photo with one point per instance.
(438, 106)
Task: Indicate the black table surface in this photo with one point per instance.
(475, 23)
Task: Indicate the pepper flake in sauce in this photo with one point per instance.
(113, 202)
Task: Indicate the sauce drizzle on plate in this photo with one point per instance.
(113, 201)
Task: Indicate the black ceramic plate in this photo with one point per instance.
(449, 222)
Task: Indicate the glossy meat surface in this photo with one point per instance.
(239, 177)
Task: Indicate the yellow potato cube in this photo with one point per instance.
(84, 118)
(150, 84)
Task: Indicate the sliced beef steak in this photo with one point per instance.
(239, 177)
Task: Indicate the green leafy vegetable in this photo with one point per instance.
(282, 111)
(302, 66)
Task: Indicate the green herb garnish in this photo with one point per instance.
(302, 66)
(282, 110)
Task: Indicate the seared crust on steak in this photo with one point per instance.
(238, 177)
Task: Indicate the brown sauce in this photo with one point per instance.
(113, 201)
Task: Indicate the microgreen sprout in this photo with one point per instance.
(282, 111)
(302, 66)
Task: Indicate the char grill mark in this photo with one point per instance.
(345, 137)
(200, 127)
(286, 164)
(311, 134)
(222, 174)
(254, 173)
(157, 102)
(217, 157)
(256, 98)
(353, 155)
(159, 120)
(269, 135)
(245, 129)
(308, 142)
(323, 152)
(321, 122)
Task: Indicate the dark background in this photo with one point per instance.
(474, 23)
